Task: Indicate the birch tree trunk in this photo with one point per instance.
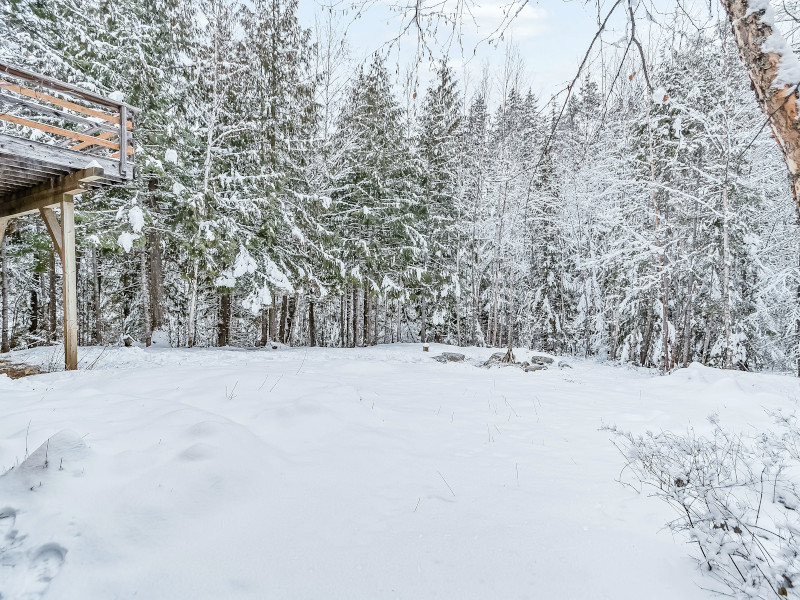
(756, 40)
(775, 92)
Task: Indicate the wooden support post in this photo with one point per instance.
(54, 229)
(3, 222)
(70, 283)
(123, 141)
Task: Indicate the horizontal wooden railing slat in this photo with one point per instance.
(62, 103)
(57, 114)
(59, 131)
(63, 87)
(103, 136)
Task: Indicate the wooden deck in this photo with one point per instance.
(50, 130)
(58, 141)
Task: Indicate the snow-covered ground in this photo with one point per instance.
(357, 473)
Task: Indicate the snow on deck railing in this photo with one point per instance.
(48, 111)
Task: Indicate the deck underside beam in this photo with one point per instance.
(35, 154)
(48, 193)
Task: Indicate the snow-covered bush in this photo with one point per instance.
(736, 498)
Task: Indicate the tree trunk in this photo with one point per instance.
(377, 305)
(312, 332)
(224, 326)
(354, 315)
(342, 321)
(707, 341)
(34, 327)
(347, 312)
(284, 314)
(423, 333)
(190, 328)
(51, 305)
(365, 337)
(399, 329)
(273, 317)
(155, 280)
(777, 98)
(97, 335)
(291, 319)
(727, 361)
(264, 326)
(648, 334)
(4, 340)
(155, 264)
(146, 329)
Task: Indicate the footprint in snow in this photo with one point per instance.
(9, 537)
(35, 577)
(24, 578)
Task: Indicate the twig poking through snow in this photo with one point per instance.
(276, 383)
(447, 484)
(302, 363)
(263, 382)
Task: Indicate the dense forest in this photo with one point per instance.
(289, 192)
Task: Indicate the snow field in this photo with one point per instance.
(356, 473)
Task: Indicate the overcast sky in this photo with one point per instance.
(552, 37)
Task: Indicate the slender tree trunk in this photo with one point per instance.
(355, 317)
(264, 326)
(224, 325)
(155, 264)
(387, 330)
(399, 329)
(365, 340)
(707, 341)
(688, 313)
(342, 320)
(377, 305)
(4, 337)
(190, 326)
(423, 333)
(687, 320)
(284, 316)
(34, 327)
(51, 305)
(292, 320)
(727, 362)
(347, 318)
(312, 332)
(98, 311)
(648, 333)
(797, 322)
(146, 320)
(273, 322)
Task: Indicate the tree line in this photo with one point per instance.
(288, 192)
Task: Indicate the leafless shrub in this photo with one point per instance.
(736, 497)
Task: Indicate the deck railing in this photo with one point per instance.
(44, 110)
